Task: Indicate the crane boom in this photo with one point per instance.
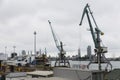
(55, 38)
(62, 58)
(95, 32)
(85, 11)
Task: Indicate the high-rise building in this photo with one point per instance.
(79, 54)
(89, 52)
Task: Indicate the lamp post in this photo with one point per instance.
(35, 42)
(35, 45)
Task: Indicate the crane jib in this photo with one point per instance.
(95, 32)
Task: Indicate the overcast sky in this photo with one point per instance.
(20, 18)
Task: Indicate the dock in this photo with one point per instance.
(59, 73)
(35, 75)
(40, 73)
(40, 78)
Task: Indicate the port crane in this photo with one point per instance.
(61, 60)
(99, 50)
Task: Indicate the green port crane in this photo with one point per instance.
(61, 60)
(96, 33)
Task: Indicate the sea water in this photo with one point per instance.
(83, 65)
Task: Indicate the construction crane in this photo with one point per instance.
(61, 60)
(96, 33)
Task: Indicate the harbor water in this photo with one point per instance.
(79, 64)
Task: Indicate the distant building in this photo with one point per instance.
(23, 52)
(79, 54)
(89, 52)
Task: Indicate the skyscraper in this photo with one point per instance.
(89, 52)
(79, 54)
